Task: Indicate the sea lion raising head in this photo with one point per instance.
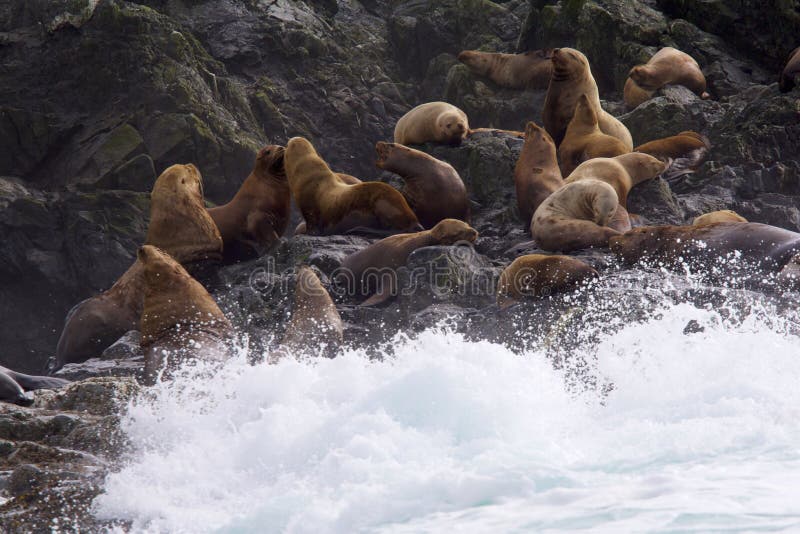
(530, 70)
(536, 174)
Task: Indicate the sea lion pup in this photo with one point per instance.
(329, 206)
(371, 272)
(791, 72)
(536, 174)
(179, 224)
(434, 122)
(258, 214)
(575, 217)
(529, 70)
(685, 152)
(570, 79)
(718, 216)
(179, 320)
(670, 66)
(540, 275)
(433, 188)
(584, 140)
(315, 326)
(621, 172)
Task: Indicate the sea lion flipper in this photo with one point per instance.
(378, 298)
(259, 225)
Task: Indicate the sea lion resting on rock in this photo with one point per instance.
(570, 79)
(433, 188)
(179, 320)
(302, 227)
(669, 66)
(791, 72)
(685, 152)
(576, 216)
(621, 172)
(329, 206)
(536, 174)
(718, 216)
(434, 122)
(529, 70)
(13, 385)
(257, 215)
(179, 224)
(540, 275)
(372, 271)
(584, 140)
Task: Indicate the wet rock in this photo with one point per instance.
(98, 396)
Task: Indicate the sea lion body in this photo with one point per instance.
(315, 326)
(11, 391)
(790, 72)
(570, 79)
(670, 66)
(540, 275)
(433, 122)
(621, 172)
(330, 206)
(32, 382)
(258, 214)
(717, 217)
(536, 173)
(433, 188)
(529, 70)
(576, 217)
(584, 140)
(633, 95)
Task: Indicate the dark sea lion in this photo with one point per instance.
(540, 275)
(31, 382)
(529, 70)
(791, 72)
(536, 174)
(433, 122)
(11, 391)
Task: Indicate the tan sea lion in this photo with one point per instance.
(330, 206)
(540, 275)
(371, 272)
(570, 79)
(180, 224)
(718, 216)
(670, 66)
(301, 228)
(536, 174)
(180, 320)
(621, 172)
(257, 215)
(633, 95)
(576, 216)
(584, 140)
(791, 72)
(529, 70)
(434, 122)
(433, 188)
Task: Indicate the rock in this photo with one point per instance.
(25, 479)
(126, 347)
(98, 396)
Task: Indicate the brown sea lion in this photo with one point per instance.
(371, 272)
(621, 172)
(179, 320)
(536, 174)
(791, 72)
(670, 66)
(180, 224)
(257, 215)
(529, 70)
(329, 206)
(576, 216)
(570, 79)
(584, 140)
(433, 188)
(685, 152)
(540, 275)
(718, 216)
(633, 95)
(301, 227)
(434, 122)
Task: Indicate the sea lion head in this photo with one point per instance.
(718, 216)
(642, 166)
(451, 231)
(453, 126)
(584, 112)
(178, 180)
(478, 62)
(534, 131)
(634, 244)
(642, 75)
(568, 63)
(603, 199)
(269, 162)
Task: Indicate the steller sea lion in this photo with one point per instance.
(330, 206)
(31, 382)
(371, 272)
(633, 95)
(433, 188)
(180, 224)
(301, 228)
(584, 140)
(258, 214)
(570, 79)
(718, 216)
(684, 152)
(434, 122)
(540, 275)
(179, 320)
(621, 172)
(536, 174)
(529, 70)
(790, 72)
(669, 66)
(11, 391)
(576, 216)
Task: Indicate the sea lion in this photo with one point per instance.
(31, 382)
(180, 223)
(633, 95)
(576, 216)
(621, 172)
(529, 70)
(584, 140)
(301, 228)
(433, 188)
(536, 174)
(371, 272)
(791, 72)
(315, 326)
(570, 79)
(685, 152)
(180, 319)
(258, 214)
(11, 391)
(434, 122)
(330, 206)
(718, 216)
(669, 66)
(540, 275)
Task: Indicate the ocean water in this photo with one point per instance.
(681, 432)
